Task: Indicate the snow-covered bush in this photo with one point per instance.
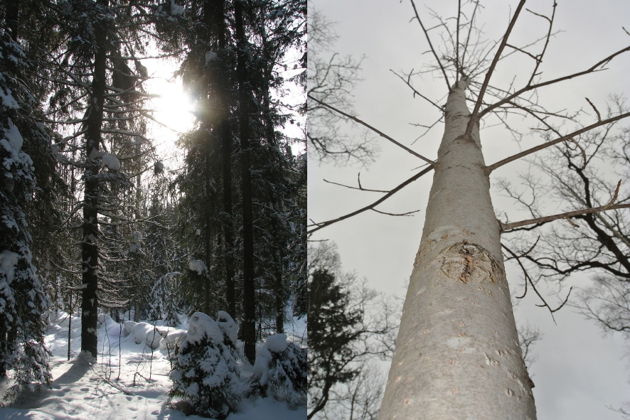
(280, 370)
(172, 340)
(128, 327)
(205, 369)
(143, 332)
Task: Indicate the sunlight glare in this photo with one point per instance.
(172, 111)
(173, 106)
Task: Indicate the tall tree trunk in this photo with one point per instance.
(11, 16)
(249, 289)
(457, 352)
(222, 102)
(89, 245)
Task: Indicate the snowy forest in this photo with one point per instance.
(132, 284)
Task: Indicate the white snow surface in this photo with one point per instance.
(228, 325)
(197, 266)
(111, 161)
(84, 391)
(277, 343)
(14, 136)
(8, 100)
(8, 262)
(200, 325)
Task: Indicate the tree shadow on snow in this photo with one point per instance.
(35, 398)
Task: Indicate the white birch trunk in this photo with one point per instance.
(457, 352)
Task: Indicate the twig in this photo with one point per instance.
(386, 213)
(359, 188)
(547, 38)
(415, 91)
(529, 280)
(599, 116)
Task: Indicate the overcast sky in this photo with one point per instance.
(579, 372)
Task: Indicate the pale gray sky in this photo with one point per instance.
(579, 372)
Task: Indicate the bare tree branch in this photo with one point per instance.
(457, 63)
(387, 213)
(474, 115)
(415, 91)
(374, 129)
(465, 49)
(566, 215)
(317, 226)
(547, 38)
(534, 149)
(426, 34)
(359, 187)
(599, 116)
(595, 67)
(528, 278)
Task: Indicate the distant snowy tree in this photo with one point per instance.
(164, 299)
(281, 369)
(22, 298)
(205, 369)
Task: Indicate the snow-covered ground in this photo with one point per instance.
(132, 384)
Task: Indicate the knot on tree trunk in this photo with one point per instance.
(468, 262)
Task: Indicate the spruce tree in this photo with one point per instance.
(331, 332)
(23, 301)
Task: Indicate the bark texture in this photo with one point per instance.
(249, 289)
(89, 246)
(457, 352)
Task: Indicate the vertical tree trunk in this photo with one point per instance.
(89, 245)
(249, 302)
(223, 128)
(457, 352)
(249, 290)
(11, 17)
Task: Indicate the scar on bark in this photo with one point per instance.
(468, 263)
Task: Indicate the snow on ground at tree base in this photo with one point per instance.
(83, 391)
